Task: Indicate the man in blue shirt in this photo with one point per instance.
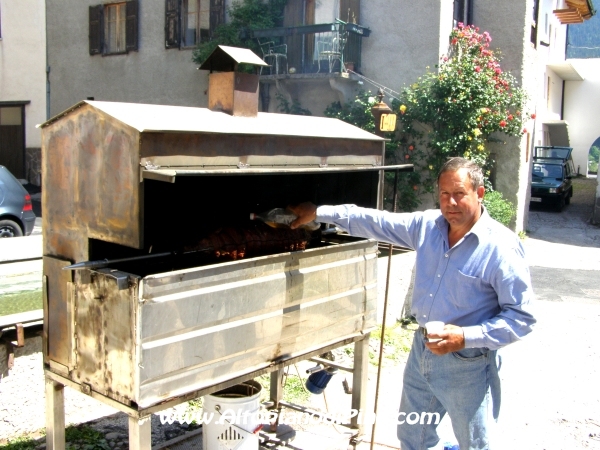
(471, 274)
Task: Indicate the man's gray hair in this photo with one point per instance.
(474, 171)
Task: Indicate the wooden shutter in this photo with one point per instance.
(217, 15)
(96, 29)
(350, 11)
(131, 26)
(172, 23)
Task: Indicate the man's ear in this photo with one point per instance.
(480, 193)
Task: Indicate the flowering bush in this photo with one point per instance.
(461, 105)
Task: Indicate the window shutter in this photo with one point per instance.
(96, 29)
(131, 26)
(172, 23)
(217, 15)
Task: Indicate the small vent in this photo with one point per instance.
(230, 439)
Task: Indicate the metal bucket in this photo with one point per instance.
(235, 419)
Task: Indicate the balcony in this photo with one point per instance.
(322, 50)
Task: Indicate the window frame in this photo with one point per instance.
(176, 17)
(98, 28)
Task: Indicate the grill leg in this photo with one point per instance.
(140, 433)
(276, 395)
(360, 380)
(55, 415)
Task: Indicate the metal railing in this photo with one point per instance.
(318, 48)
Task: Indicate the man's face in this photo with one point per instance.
(459, 202)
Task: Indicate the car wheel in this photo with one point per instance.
(8, 228)
(560, 204)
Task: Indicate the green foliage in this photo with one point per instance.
(499, 208)
(84, 437)
(294, 108)
(454, 111)
(462, 104)
(593, 157)
(358, 113)
(20, 444)
(244, 15)
(457, 110)
(81, 437)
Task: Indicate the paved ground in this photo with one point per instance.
(550, 399)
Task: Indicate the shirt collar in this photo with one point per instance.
(479, 229)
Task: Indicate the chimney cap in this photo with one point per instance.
(225, 59)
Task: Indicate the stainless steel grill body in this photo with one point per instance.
(124, 180)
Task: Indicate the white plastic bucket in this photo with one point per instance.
(235, 418)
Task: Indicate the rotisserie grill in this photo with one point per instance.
(233, 298)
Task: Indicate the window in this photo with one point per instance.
(188, 22)
(113, 28)
(535, 23)
(463, 12)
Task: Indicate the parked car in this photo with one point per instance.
(16, 211)
(551, 183)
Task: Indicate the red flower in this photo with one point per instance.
(510, 117)
(415, 187)
(411, 148)
(502, 123)
(533, 116)
(498, 71)
(406, 156)
(454, 41)
(477, 69)
(524, 130)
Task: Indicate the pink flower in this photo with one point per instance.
(510, 117)
(533, 116)
(477, 69)
(524, 130)
(411, 148)
(461, 25)
(498, 71)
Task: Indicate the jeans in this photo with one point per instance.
(465, 384)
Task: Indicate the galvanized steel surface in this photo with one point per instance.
(190, 329)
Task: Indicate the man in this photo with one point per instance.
(470, 274)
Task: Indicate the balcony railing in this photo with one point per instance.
(310, 49)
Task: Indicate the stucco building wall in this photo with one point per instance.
(152, 74)
(23, 61)
(582, 109)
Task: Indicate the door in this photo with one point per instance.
(12, 139)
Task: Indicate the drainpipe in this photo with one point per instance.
(562, 101)
(47, 92)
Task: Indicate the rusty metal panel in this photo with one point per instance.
(105, 328)
(215, 150)
(206, 325)
(57, 311)
(91, 183)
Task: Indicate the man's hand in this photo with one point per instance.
(452, 340)
(306, 212)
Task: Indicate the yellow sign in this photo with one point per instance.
(387, 122)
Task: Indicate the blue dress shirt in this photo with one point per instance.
(482, 284)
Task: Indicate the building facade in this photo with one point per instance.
(22, 85)
(326, 51)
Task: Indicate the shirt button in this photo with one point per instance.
(431, 295)
(446, 255)
(439, 275)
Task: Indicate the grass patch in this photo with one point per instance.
(20, 302)
(396, 344)
(77, 437)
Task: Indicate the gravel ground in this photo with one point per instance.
(552, 400)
